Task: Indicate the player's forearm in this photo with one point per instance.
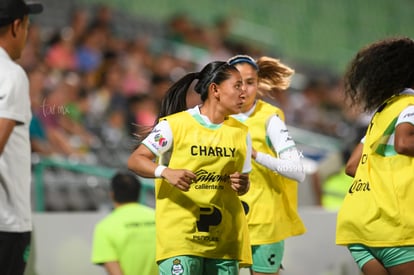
(113, 268)
(142, 166)
(353, 161)
(142, 162)
(292, 169)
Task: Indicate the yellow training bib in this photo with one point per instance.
(208, 220)
(378, 208)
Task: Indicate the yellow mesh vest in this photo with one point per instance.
(272, 198)
(378, 210)
(208, 220)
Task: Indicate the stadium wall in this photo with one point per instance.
(62, 245)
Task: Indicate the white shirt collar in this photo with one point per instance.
(196, 110)
(407, 91)
(4, 54)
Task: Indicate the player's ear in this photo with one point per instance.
(214, 89)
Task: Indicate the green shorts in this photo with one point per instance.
(267, 258)
(388, 256)
(193, 265)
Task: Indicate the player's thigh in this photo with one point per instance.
(374, 267)
(402, 269)
(384, 260)
(398, 260)
(361, 254)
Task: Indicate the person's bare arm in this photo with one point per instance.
(60, 141)
(77, 129)
(141, 162)
(353, 161)
(41, 148)
(113, 268)
(404, 139)
(6, 128)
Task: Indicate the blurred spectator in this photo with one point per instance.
(91, 49)
(107, 95)
(160, 85)
(222, 26)
(314, 110)
(68, 138)
(78, 107)
(33, 52)
(135, 62)
(78, 22)
(179, 27)
(61, 54)
(114, 128)
(38, 136)
(143, 111)
(103, 18)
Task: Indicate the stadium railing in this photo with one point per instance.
(40, 167)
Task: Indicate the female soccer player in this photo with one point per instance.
(376, 220)
(271, 203)
(203, 157)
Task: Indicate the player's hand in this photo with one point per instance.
(240, 183)
(179, 178)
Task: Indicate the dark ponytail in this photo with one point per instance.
(176, 98)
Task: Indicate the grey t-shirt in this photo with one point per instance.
(15, 165)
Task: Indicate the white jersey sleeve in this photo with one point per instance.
(407, 115)
(288, 162)
(160, 140)
(247, 167)
(279, 135)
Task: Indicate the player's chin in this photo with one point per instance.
(238, 108)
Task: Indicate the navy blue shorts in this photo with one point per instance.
(14, 252)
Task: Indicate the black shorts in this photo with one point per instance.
(14, 252)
